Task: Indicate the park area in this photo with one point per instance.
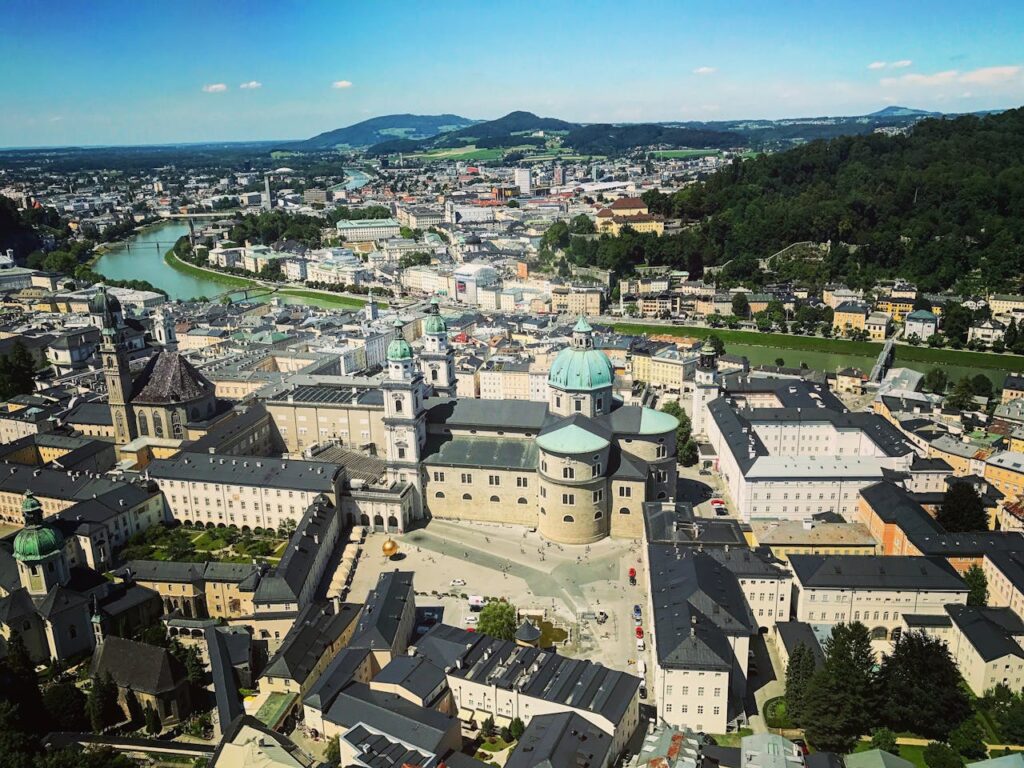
(187, 545)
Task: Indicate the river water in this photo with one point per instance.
(143, 258)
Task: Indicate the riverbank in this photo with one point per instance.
(914, 357)
(314, 296)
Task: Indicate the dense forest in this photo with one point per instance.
(604, 139)
(943, 206)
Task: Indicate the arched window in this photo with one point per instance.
(120, 423)
(624, 511)
(433, 374)
(398, 405)
(177, 432)
(158, 425)
(467, 497)
(598, 515)
(522, 500)
(662, 495)
(439, 495)
(143, 424)
(568, 519)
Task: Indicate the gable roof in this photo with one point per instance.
(139, 666)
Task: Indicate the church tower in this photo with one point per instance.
(438, 357)
(405, 419)
(115, 370)
(581, 377)
(39, 551)
(705, 389)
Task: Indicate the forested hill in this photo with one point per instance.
(943, 206)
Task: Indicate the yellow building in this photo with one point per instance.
(1004, 304)
(1005, 471)
(850, 316)
(897, 308)
(200, 590)
(797, 537)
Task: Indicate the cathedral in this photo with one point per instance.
(168, 393)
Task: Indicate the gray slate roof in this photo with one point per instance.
(876, 572)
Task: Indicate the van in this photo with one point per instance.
(641, 667)
(640, 644)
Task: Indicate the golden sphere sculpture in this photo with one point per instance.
(389, 548)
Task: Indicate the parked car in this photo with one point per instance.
(640, 632)
(803, 746)
(637, 613)
(458, 583)
(640, 646)
(643, 691)
(472, 619)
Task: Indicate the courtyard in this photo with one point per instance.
(568, 586)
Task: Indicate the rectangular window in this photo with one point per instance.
(568, 473)
(521, 482)
(439, 477)
(598, 496)
(467, 478)
(625, 491)
(569, 499)
(493, 480)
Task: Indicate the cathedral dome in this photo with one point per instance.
(103, 302)
(435, 325)
(36, 541)
(581, 370)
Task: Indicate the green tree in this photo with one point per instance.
(101, 704)
(968, 740)
(936, 381)
(1011, 334)
(517, 727)
(512, 203)
(498, 619)
(981, 386)
(18, 747)
(939, 755)
(153, 724)
(101, 757)
(487, 727)
(799, 671)
(962, 510)
(922, 687)
(17, 372)
(977, 581)
(962, 396)
(716, 344)
(885, 740)
(689, 453)
(841, 701)
(674, 408)
(556, 236)
(65, 706)
(581, 224)
(20, 685)
(136, 716)
(333, 753)
(740, 305)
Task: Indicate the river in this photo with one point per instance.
(143, 258)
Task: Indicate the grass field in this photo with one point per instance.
(782, 341)
(683, 154)
(190, 269)
(326, 298)
(470, 152)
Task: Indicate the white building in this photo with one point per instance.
(523, 180)
(362, 230)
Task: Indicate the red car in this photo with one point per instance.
(639, 633)
(632, 573)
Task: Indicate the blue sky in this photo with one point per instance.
(108, 72)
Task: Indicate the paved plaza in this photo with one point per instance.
(565, 582)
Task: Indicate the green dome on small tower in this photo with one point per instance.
(36, 541)
(434, 324)
(579, 367)
(399, 348)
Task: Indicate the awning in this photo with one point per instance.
(465, 714)
(502, 722)
(481, 715)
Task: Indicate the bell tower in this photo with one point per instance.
(438, 358)
(405, 416)
(117, 375)
(705, 389)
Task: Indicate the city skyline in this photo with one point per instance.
(190, 73)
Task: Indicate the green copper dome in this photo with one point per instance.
(435, 325)
(399, 349)
(579, 370)
(36, 541)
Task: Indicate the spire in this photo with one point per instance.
(31, 509)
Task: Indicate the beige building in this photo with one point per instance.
(874, 590)
(810, 537)
(570, 300)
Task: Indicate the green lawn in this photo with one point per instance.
(218, 277)
(684, 154)
(326, 298)
(904, 353)
(209, 541)
(731, 739)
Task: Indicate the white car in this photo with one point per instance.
(457, 583)
(472, 619)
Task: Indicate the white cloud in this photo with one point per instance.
(876, 65)
(341, 84)
(705, 71)
(986, 76)
(251, 85)
(939, 78)
(901, 64)
(990, 75)
(214, 88)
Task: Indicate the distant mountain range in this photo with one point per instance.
(385, 128)
(419, 133)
